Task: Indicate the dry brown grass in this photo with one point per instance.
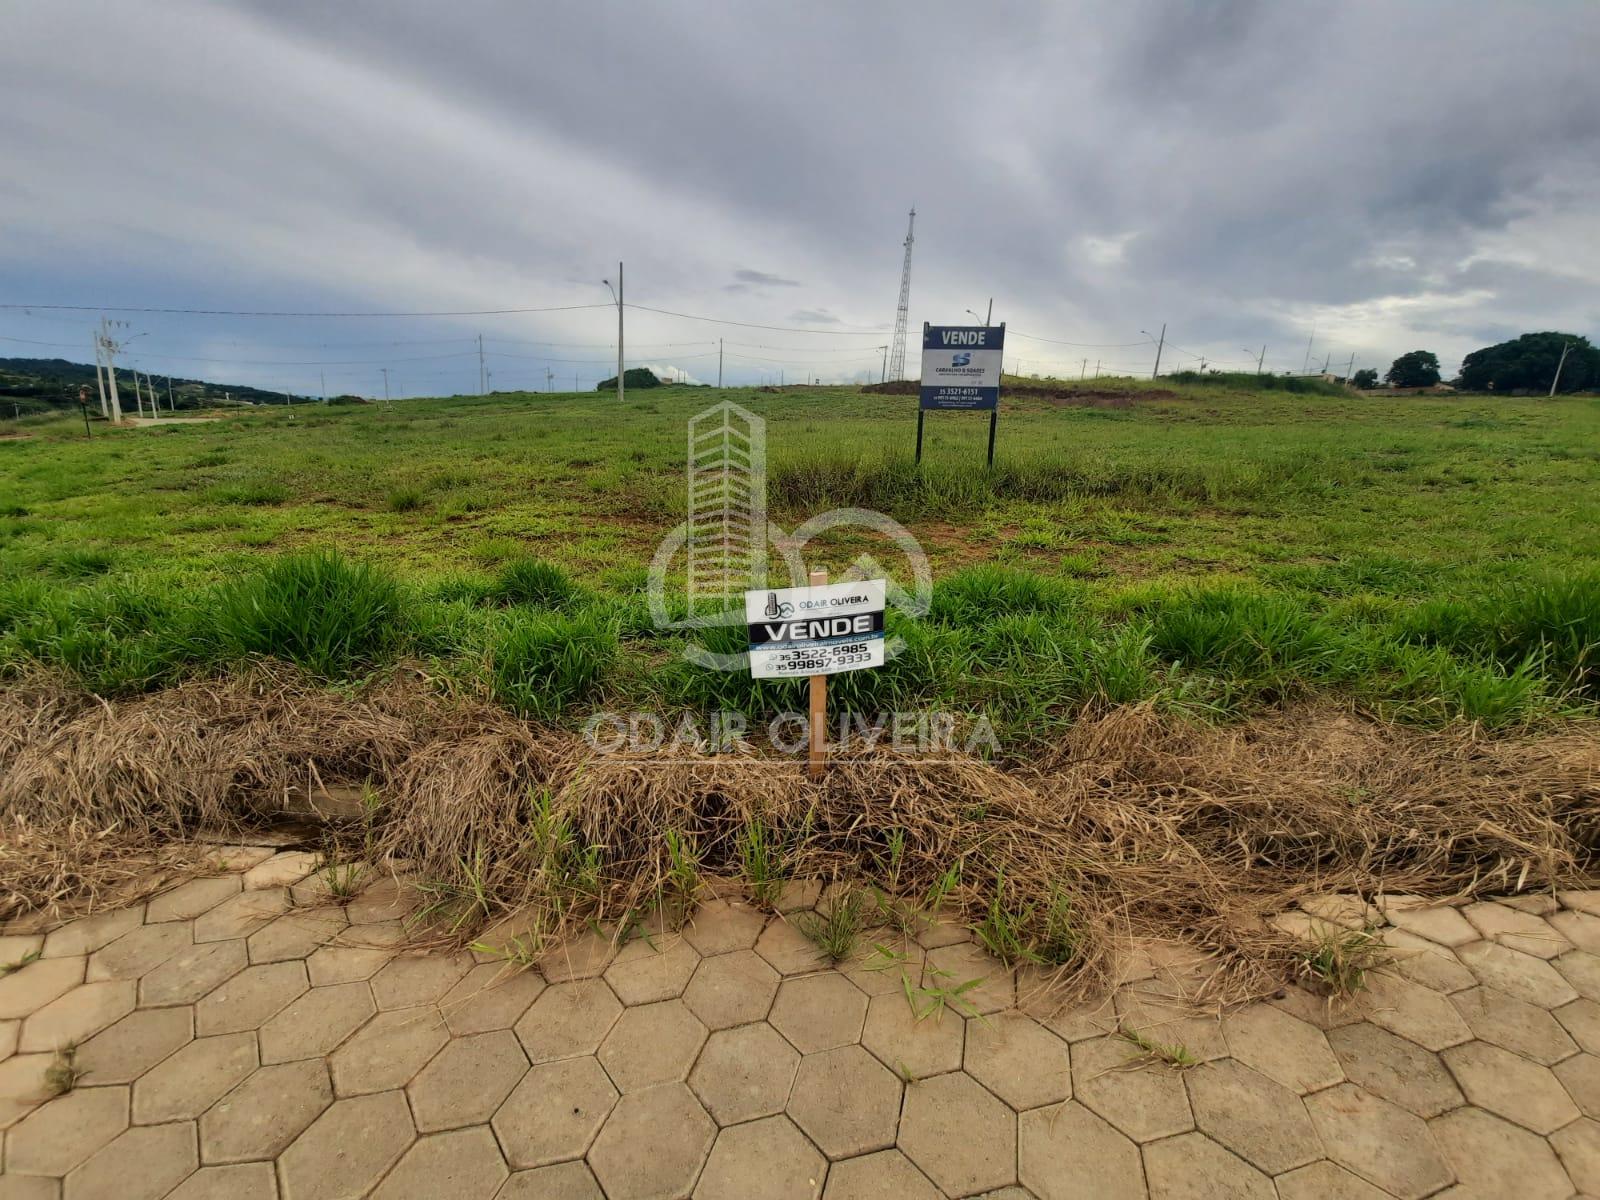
(1142, 825)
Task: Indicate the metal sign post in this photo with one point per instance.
(961, 370)
(813, 632)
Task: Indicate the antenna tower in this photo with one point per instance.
(897, 354)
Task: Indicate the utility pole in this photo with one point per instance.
(1084, 370)
(111, 372)
(323, 377)
(990, 315)
(100, 379)
(1262, 358)
(1160, 342)
(1350, 369)
(483, 386)
(1560, 362)
(549, 376)
(1097, 368)
(1305, 367)
(719, 362)
(171, 407)
(386, 399)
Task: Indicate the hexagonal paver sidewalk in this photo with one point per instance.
(231, 1038)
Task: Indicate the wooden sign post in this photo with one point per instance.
(817, 758)
(816, 631)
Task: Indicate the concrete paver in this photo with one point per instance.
(194, 1078)
(1516, 1025)
(643, 974)
(1514, 928)
(769, 1157)
(265, 1113)
(886, 1175)
(651, 1044)
(719, 927)
(191, 973)
(1395, 1070)
(231, 1048)
(1578, 1147)
(847, 1101)
(1326, 1181)
(744, 1073)
(1262, 1122)
(347, 1149)
(819, 1012)
(1515, 973)
(568, 1019)
(316, 1022)
(237, 1181)
(388, 1050)
(911, 1047)
(1580, 1075)
(731, 989)
(461, 1163)
(142, 1163)
(59, 1135)
(1581, 1020)
(1281, 1047)
(85, 935)
(249, 998)
(1499, 1158)
(1145, 1100)
(77, 1015)
(563, 1181)
(653, 1145)
(960, 1136)
(1017, 1059)
(466, 1081)
(1068, 1152)
(125, 1051)
(139, 950)
(1379, 1141)
(1191, 1165)
(1512, 1087)
(555, 1112)
(25, 991)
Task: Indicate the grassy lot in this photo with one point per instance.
(1208, 545)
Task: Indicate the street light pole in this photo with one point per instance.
(1561, 362)
(1159, 344)
(616, 294)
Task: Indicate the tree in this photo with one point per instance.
(633, 377)
(1419, 369)
(1367, 377)
(1528, 364)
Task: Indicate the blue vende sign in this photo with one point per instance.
(961, 366)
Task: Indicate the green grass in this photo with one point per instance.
(1210, 547)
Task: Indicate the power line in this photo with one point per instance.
(229, 312)
(1058, 342)
(666, 312)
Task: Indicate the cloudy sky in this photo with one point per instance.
(1378, 177)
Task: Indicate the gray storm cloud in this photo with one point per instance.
(1395, 176)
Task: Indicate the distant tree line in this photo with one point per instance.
(1524, 364)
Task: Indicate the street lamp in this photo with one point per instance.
(985, 320)
(616, 294)
(1162, 341)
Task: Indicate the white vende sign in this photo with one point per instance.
(821, 630)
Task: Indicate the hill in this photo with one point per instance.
(39, 384)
